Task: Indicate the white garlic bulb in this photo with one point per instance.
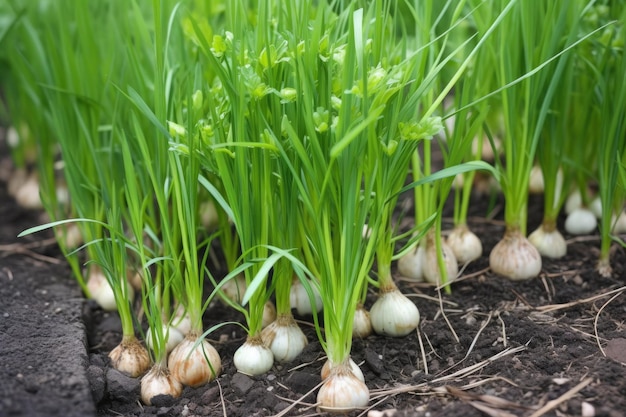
(130, 357)
(465, 245)
(284, 338)
(393, 314)
(159, 381)
(580, 221)
(515, 257)
(549, 243)
(194, 364)
(253, 357)
(342, 391)
(411, 265)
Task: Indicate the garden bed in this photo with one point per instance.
(554, 345)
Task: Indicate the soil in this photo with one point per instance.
(552, 346)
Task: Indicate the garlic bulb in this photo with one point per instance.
(431, 263)
(393, 314)
(549, 242)
(194, 364)
(515, 257)
(362, 324)
(159, 381)
(130, 357)
(325, 372)
(411, 265)
(27, 194)
(181, 320)
(580, 221)
(619, 222)
(573, 201)
(342, 391)
(253, 357)
(269, 314)
(172, 337)
(285, 338)
(465, 245)
(299, 298)
(100, 290)
(535, 183)
(596, 207)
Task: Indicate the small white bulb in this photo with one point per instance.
(580, 221)
(299, 298)
(596, 207)
(411, 265)
(535, 183)
(362, 323)
(619, 222)
(550, 244)
(27, 196)
(181, 320)
(342, 391)
(130, 357)
(285, 338)
(393, 314)
(514, 257)
(100, 290)
(269, 314)
(172, 337)
(194, 364)
(573, 201)
(465, 245)
(159, 381)
(253, 357)
(432, 273)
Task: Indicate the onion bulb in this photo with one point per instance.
(580, 221)
(100, 290)
(342, 391)
(411, 265)
(194, 364)
(535, 183)
(515, 257)
(172, 337)
(285, 338)
(299, 298)
(28, 195)
(431, 262)
(619, 223)
(465, 245)
(159, 381)
(130, 357)
(596, 207)
(181, 320)
(269, 314)
(253, 357)
(393, 314)
(549, 242)
(573, 201)
(362, 323)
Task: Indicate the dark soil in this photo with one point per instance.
(554, 345)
